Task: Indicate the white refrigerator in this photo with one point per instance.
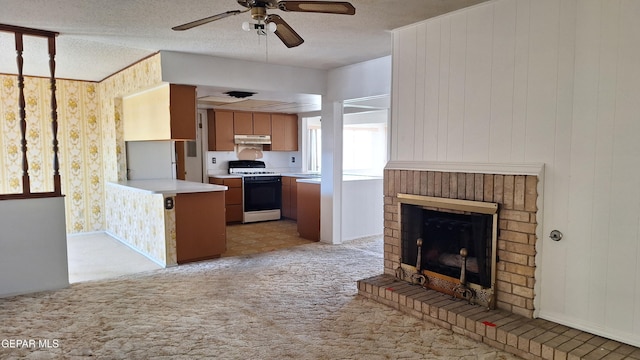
(151, 160)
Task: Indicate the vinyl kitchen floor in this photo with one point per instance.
(260, 237)
(91, 256)
(97, 256)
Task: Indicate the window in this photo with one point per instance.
(364, 143)
(313, 144)
(364, 148)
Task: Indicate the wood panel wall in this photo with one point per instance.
(551, 81)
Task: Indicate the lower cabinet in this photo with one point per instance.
(308, 201)
(233, 197)
(289, 198)
(201, 231)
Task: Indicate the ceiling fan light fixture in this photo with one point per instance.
(262, 28)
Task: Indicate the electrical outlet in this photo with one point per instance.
(293, 159)
(168, 203)
(213, 160)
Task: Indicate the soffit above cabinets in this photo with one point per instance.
(260, 101)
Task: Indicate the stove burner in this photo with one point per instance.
(251, 172)
(249, 167)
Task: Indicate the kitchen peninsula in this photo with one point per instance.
(360, 206)
(169, 221)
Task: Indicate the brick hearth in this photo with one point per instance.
(522, 336)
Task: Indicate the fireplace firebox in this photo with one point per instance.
(449, 245)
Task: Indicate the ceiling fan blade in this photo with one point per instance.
(209, 19)
(285, 32)
(328, 7)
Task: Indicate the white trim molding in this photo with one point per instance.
(469, 167)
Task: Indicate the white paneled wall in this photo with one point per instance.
(551, 81)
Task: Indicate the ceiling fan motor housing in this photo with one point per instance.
(259, 7)
(258, 13)
(267, 4)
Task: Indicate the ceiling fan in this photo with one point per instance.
(259, 8)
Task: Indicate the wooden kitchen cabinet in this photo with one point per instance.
(289, 197)
(242, 123)
(200, 226)
(286, 197)
(224, 124)
(181, 170)
(220, 130)
(233, 198)
(284, 132)
(261, 124)
(167, 112)
(247, 123)
(182, 109)
(308, 200)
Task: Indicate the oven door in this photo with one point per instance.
(262, 193)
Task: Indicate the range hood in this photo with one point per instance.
(252, 139)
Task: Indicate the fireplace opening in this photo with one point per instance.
(450, 244)
(444, 235)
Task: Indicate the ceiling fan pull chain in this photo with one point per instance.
(266, 48)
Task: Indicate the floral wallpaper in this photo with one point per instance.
(80, 145)
(139, 219)
(90, 136)
(141, 76)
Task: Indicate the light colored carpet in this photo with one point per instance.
(296, 303)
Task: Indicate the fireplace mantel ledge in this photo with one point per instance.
(469, 167)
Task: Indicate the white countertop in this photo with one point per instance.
(316, 180)
(169, 186)
(302, 175)
(227, 176)
(360, 177)
(311, 180)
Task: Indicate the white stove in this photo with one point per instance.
(261, 189)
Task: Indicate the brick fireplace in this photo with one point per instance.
(517, 198)
(512, 326)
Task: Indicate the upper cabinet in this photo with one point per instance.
(224, 124)
(284, 132)
(248, 123)
(220, 126)
(261, 124)
(242, 123)
(166, 112)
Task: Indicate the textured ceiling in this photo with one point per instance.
(98, 38)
